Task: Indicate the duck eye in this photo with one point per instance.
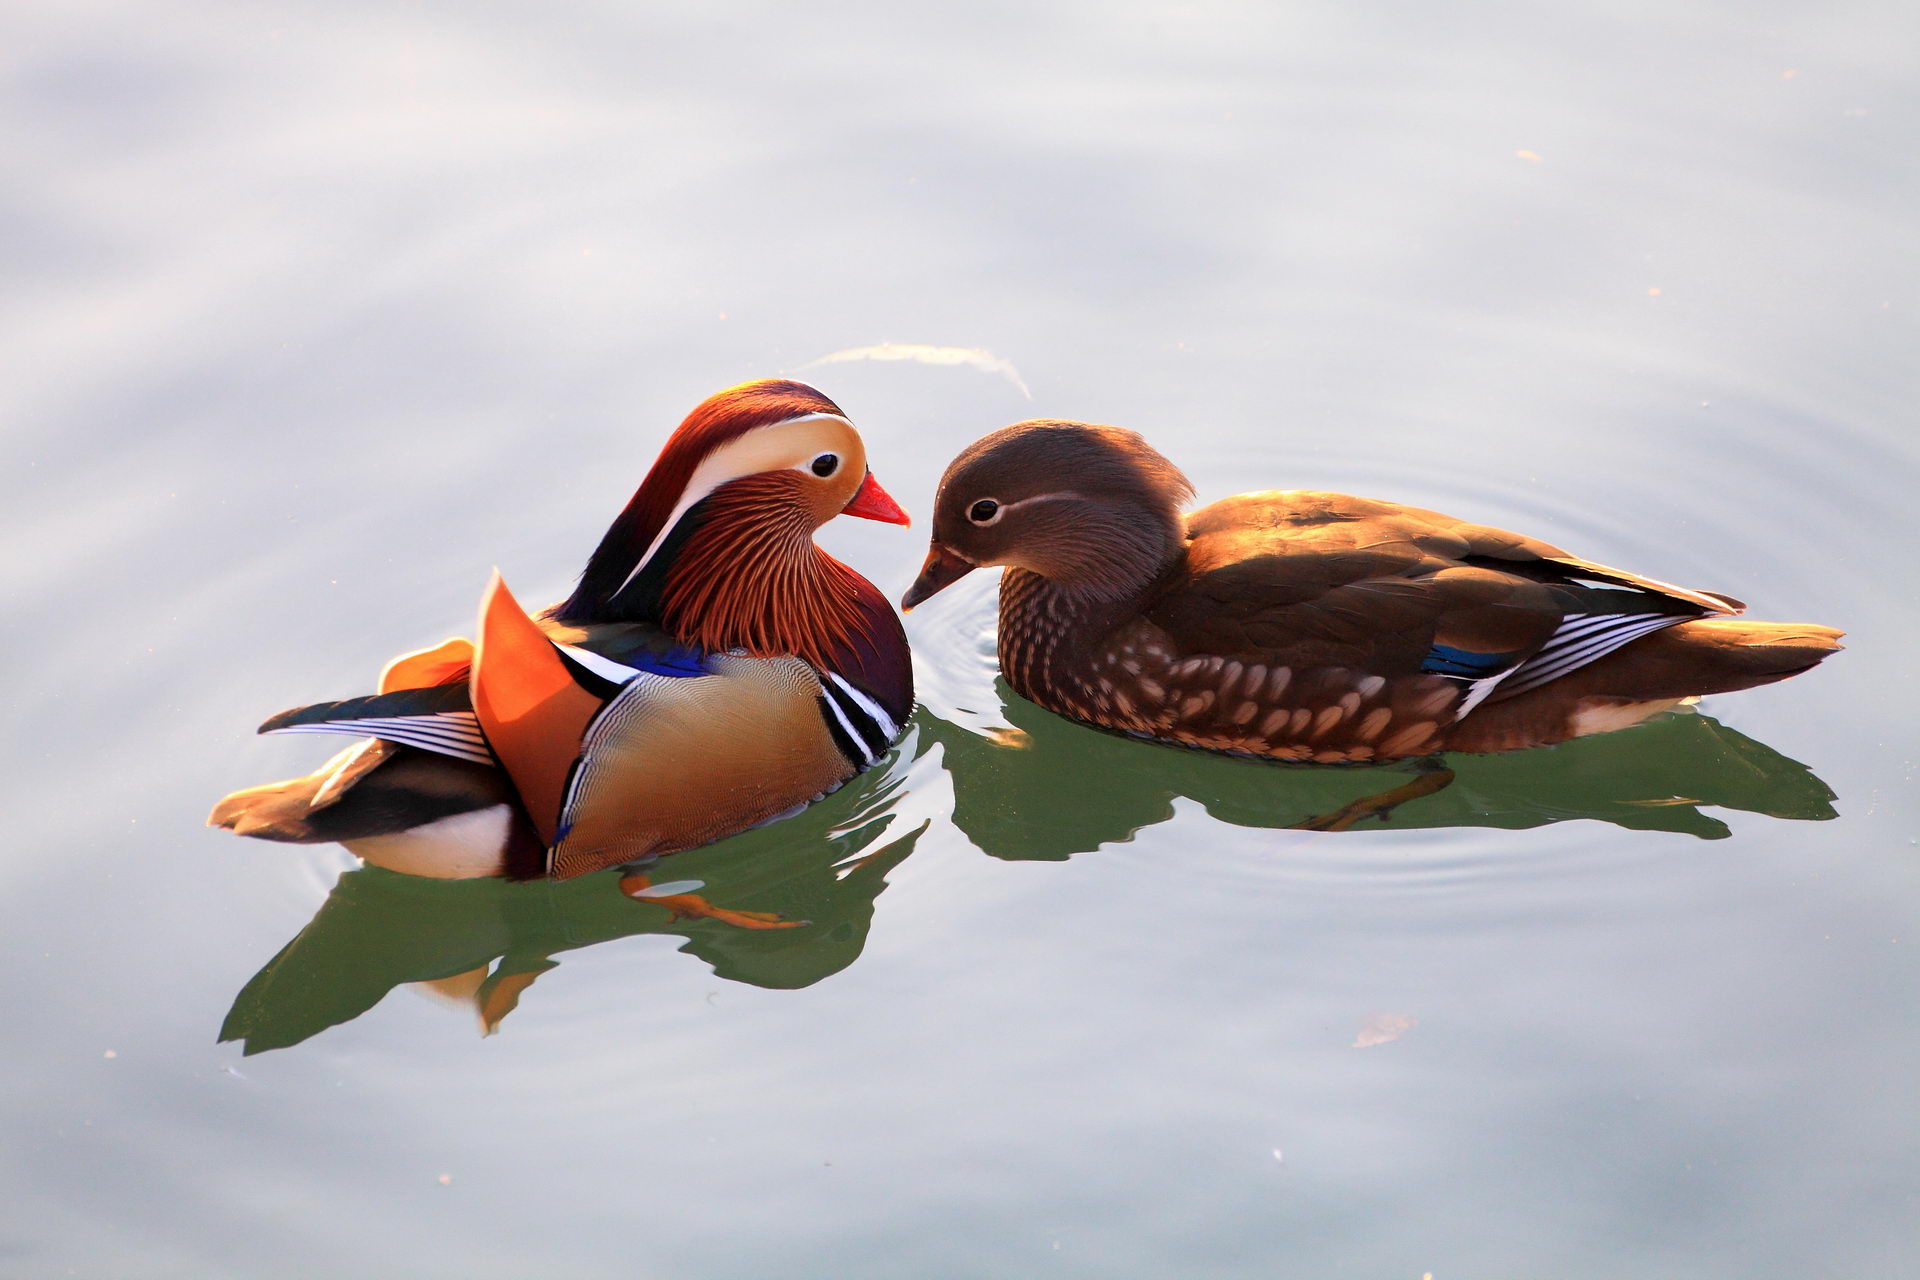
(826, 464)
(985, 511)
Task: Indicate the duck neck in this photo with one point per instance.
(770, 594)
(748, 576)
(740, 571)
(1049, 631)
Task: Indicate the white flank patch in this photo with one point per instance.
(1594, 715)
(461, 846)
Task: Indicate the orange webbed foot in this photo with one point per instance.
(1378, 806)
(691, 906)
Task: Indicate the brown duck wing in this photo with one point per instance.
(1547, 563)
(1314, 579)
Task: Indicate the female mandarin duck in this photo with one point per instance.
(713, 670)
(1315, 626)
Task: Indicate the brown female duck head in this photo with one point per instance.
(1092, 509)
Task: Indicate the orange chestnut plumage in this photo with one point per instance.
(797, 599)
(714, 422)
(713, 669)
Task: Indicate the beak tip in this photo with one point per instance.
(941, 571)
(871, 502)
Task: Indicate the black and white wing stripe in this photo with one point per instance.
(449, 733)
(438, 719)
(860, 726)
(1580, 639)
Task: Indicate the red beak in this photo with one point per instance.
(871, 502)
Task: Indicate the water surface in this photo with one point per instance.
(314, 315)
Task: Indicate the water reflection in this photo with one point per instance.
(791, 904)
(1047, 789)
(482, 943)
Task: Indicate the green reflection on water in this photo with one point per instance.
(1047, 791)
(484, 942)
(1068, 789)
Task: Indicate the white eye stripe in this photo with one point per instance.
(1043, 497)
(710, 475)
(1001, 508)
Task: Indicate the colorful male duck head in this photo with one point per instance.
(1092, 508)
(733, 497)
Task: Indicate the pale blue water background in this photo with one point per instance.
(313, 314)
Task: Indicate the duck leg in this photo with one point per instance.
(500, 994)
(1432, 776)
(691, 906)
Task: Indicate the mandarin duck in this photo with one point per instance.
(1300, 625)
(713, 670)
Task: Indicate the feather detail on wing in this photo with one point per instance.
(444, 663)
(520, 700)
(438, 719)
(1312, 579)
(347, 768)
(1581, 638)
(1713, 602)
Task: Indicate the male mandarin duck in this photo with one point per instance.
(713, 670)
(1301, 625)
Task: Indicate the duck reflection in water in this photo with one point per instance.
(1046, 788)
(782, 907)
(790, 904)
